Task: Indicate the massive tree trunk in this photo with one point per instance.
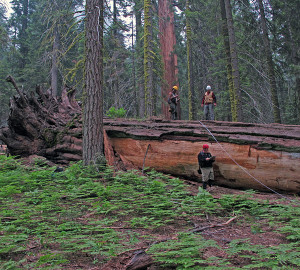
(93, 102)
(52, 128)
(269, 60)
(169, 57)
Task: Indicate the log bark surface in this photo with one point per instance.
(266, 154)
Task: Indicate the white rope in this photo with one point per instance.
(241, 166)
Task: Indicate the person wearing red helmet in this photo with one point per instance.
(205, 160)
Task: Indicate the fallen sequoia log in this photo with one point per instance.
(270, 153)
(43, 125)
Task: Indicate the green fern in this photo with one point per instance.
(185, 252)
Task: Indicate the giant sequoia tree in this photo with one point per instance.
(169, 57)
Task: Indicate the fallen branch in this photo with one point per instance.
(213, 225)
(12, 80)
(140, 260)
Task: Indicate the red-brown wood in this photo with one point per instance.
(167, 43)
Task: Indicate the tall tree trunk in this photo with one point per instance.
(271, 72)
(93, 102)
(148, 60)
(54, 68)
(228, 58)
(115, 80)
(237, 116)
(139, 47)
(191, 92)
(169, 57)
(23, 33)
(135, 90)
(298, 93)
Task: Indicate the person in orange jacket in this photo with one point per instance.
(209, 101)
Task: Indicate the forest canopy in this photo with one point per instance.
(248, 51)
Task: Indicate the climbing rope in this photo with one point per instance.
(243, 167)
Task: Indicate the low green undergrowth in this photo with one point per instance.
(49, 219)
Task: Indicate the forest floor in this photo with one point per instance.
(220, 230)
(82, 219)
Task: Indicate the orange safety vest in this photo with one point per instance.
(208, 97)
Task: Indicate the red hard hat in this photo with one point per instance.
(205, 146)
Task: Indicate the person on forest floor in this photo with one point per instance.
(173, 100)
(209, 101)
(206, 160)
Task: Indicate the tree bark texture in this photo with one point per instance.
(269, 60)
(265, 153)
(93, 95)
(169, 57)
(237, 116)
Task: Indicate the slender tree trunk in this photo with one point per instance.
(191, 92)
(115, 80)
(136, 103)
(148, 60)
(139, 52)
(272, 78)
(169, 57)
(93, 102)
(228, 59)
(54, 68)
(234, 63)
(298, 93)
(23, 34)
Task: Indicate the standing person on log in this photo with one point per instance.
(209, 101)
(205, 160)
(173, 100)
